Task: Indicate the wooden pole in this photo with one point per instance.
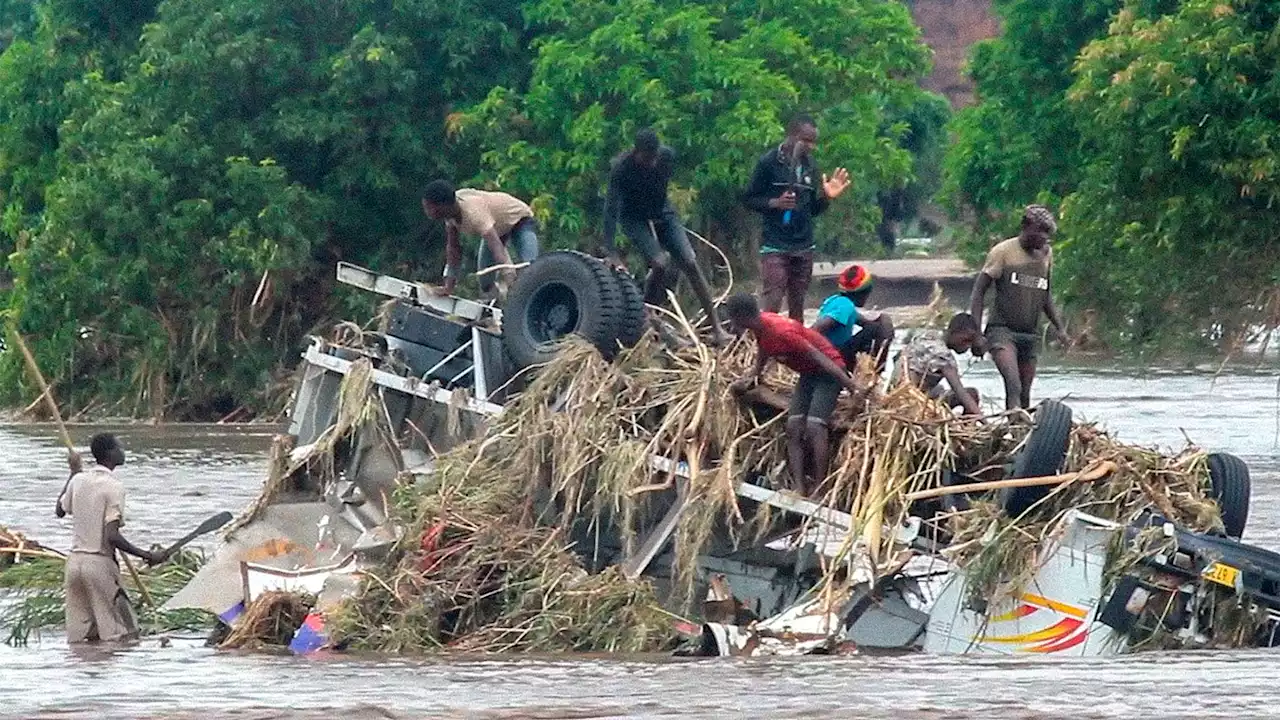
(1095, 472)
(45, 391)
(66, 438)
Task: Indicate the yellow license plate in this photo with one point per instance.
(1222, 574)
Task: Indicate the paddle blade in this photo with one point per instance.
(213, 523)
(208, 526)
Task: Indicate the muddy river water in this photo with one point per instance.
(179, 475)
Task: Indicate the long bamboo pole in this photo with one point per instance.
(1096, 472)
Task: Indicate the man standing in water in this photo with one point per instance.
(785, 191)
(498, 219)
(1020, 268)
(637, 199)
(96, 605)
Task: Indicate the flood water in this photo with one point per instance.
(179, 475)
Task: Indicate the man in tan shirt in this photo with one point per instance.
(501, 221)
(96, 605)
(1020, 269)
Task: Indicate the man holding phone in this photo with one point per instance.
(786, 191)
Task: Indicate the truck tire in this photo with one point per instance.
(632, 324)
(1043, 454)
(559, 294)
(1229, 485)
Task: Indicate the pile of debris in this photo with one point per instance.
(419, 501)
(495, 553)
(16, 547)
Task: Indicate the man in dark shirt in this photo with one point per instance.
(637, 199)
(785, 191)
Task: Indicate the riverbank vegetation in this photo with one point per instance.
(1153, 125)
(177, 178)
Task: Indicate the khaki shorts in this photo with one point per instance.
(97, 607)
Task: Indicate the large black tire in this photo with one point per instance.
(632, 323)
(1229, 484)
(559, 294)
(1043, 454)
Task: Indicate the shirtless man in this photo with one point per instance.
(96, 605)
(1020, 269)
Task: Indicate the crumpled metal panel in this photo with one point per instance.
(287, 536)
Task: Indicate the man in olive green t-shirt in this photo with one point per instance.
(1020, 269)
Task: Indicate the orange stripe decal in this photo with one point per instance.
(1053, 633)
(1056, 606)
(1019, 612)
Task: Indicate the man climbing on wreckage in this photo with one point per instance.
(637, 199)
(501, 221)
(844, 320)
(927, 360)
(96, 605)
(1020, 269)
(822, 374)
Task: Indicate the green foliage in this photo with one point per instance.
(1174, 228)
(63, 49)
(717, 80)
(196, 202)
(1152, 124)
(177, 177)
(919, 128)
(17, 19)
(1020, 144)
(36, 602)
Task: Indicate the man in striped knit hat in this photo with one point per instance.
(854, 330)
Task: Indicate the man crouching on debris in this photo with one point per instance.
(822, 373)
(927, 361)
(96, 606)
(844, 320)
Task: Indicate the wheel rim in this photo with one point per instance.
(552, 314)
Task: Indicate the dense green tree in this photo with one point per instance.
(201, 198)
(1175, 226)
(62, 50)
(17, 20)
(717, 80)
(178, 177)
(919, 128)
(1020, 143)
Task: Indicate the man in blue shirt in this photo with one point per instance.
(848, 326)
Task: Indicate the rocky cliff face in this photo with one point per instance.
(950, 28)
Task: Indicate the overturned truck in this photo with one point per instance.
(462, 477)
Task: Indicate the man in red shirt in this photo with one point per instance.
(822, 373)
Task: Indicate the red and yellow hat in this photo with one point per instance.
(854, 278)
